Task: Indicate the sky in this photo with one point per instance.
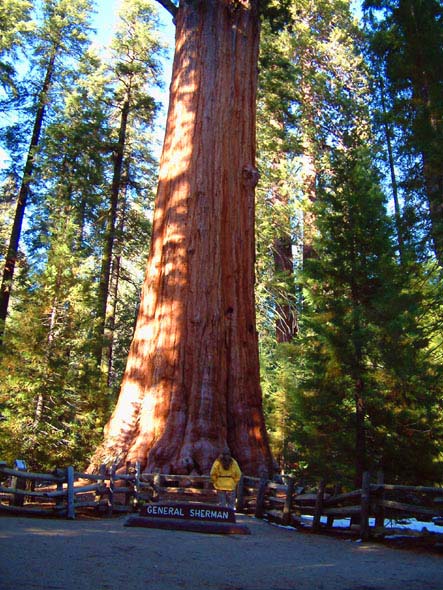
(105, 18)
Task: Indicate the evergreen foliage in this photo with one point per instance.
(15, 26)
(369, 386)
(58, 40)
(349, 291)
(406, 40)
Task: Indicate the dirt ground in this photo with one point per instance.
(103, 554)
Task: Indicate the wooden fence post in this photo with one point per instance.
(128, 495)
(241, 494)
(101, 482)
(260, 505)
(59, 500)
(379, 510)
(138, 469)
(157, 484)
(365, 505)
(112, 487)
(319, 506)
(128, 471)
(70, 497)
(288, 501)
(19, 483)
(102, 473)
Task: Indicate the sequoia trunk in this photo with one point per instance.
(191, 384)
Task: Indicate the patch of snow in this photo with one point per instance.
(403, 524)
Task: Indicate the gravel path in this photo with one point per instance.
(103, 554)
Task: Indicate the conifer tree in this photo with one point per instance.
(191, 383)
(407, 38)
(61, 35)
(312, 78)
(50, 391)
(65, 242)
(367, 381)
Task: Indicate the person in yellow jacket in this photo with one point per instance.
(225, 475)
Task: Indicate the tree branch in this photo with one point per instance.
(170, 6)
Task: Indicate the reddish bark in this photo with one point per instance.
(192, 379)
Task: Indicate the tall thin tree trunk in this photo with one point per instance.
(286, 316)
(286, 322)
(394, 185)
(105, 274)
(111, 310)
(309, 169)
(191, 384)
(360, 433)
(309, 176)
(39, 405)
(14, 240)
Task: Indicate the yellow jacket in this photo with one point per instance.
(225, 479)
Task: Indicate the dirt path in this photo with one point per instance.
(105, 555)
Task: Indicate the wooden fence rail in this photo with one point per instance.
(65, 492)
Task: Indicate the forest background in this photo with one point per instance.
(349, 216)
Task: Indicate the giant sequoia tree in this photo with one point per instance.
(191, 383)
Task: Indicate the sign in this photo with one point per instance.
(192, 516)
(190, 511)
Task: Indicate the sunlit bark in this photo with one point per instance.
(192, 380)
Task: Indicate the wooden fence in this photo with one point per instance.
(66, 492)
(368, 507)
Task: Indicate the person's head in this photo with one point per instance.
(225, 457)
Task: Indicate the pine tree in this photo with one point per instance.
(50, 390)
(313, 84)
(47, 381)
(366, 379)
(275, 203)
(61, 35)
(407, 38)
